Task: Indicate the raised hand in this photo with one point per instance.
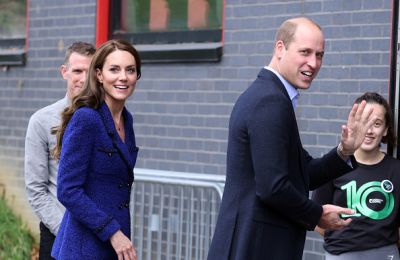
(358, 123)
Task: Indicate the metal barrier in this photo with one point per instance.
(174, 214)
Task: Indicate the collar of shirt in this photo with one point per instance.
(67, 101)
(292, 91)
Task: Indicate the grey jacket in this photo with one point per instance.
(40, 168)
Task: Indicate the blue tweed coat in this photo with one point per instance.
(94, 182)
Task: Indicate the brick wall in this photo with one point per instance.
(181, 111)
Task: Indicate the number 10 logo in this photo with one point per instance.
(357, 200)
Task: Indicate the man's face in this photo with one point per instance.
(300, 62)
(75, 73)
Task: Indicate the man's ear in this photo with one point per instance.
(279, 48)
(63, 71)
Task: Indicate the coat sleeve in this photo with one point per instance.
(324, 194)
(328, 167)
(270, 127)
(78, 142)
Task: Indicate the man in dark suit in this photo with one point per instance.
(266, 210)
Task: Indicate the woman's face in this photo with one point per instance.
(378, 130)
(118, 76)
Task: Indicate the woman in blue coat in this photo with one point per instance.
(97, 151)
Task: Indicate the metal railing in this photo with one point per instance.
(174, 214)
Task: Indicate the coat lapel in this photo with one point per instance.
(124, 149)
(280, 87)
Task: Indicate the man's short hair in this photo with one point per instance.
(83, 48)
(287, 30)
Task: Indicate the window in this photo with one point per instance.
(170, 30)
(12, 32)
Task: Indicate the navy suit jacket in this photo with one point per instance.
(94, 183)
(265, 209)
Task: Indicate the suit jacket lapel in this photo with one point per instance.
(280, 87)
